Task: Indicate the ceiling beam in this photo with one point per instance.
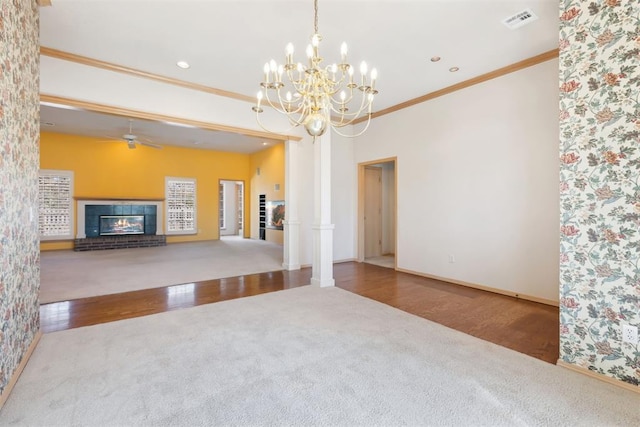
(137, 114)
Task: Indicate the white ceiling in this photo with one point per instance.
(228, 41)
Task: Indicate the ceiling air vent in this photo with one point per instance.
(520, 19)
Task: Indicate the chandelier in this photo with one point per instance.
(314, 95)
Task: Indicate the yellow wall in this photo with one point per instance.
(271, 164)
(109, 169)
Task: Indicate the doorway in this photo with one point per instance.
(231, 209)
(377, 212)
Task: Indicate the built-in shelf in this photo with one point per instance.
(262, 199)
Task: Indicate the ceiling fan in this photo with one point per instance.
(132, 139)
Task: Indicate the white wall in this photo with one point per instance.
(305, 200)
(343, 198)
(477, 178)
(344, 201)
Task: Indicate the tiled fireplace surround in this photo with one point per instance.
(88, 212)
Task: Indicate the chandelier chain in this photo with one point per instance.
(315, 14)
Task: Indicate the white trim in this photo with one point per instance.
(222, 209)
(82, 204)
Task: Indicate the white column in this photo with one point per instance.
(291, 222)
(322, 268)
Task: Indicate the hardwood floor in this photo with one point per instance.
(520, 325)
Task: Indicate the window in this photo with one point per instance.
(55, 204)
(180, 202)
(221, 206)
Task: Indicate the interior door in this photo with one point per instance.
(372, 211)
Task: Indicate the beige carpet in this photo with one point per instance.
(300, 357)
(68, 275)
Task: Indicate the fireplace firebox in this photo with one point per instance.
(120, 225)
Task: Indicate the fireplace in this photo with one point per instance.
(119, 225)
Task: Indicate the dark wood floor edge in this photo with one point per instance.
(597, 376)
(483, 288)
(23, 363)
(143, 290)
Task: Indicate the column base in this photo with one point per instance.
(291, 267)
(322, 283)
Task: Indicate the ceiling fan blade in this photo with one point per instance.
(149, 144)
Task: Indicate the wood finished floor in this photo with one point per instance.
(520, 325)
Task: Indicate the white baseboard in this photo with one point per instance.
(598, 376)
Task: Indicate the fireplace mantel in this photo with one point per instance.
(116, 199)
(82, 202)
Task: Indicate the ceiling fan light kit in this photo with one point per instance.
(132, 139)
(314, 96)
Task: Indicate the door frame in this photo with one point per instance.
(373, 224)
(244, 206)
(361, 191)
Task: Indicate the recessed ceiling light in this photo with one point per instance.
(196, 142)
(47, 124)
(454, 69)
(183, 64)
(435, 58)
(265, 143)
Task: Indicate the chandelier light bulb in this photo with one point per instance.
(315, 40)
(374, 76)
(363, 68)
(266, 73)
(273, 66)
(289, 52)
(343, 96)
(309, 51)
(288, 97)
(343, 52)
(350, 71)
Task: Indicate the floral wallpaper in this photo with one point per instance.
(19, 160)
(600, 185)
